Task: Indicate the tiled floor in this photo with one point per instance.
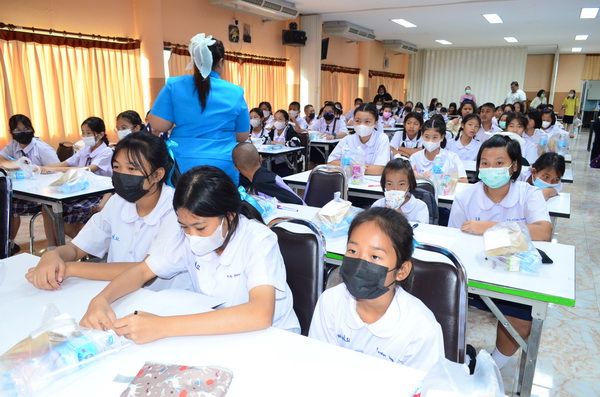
(569, 357)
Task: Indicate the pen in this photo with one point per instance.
(12, 158)
(281, 207)
(416, 225)
(373, 185)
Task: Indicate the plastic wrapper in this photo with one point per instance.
(357, 168)
(335, 217)
(26, 169)
(508, 246)
(58, 348)
(449, 379)
(444, 174)
(268, 205)
(74, 180)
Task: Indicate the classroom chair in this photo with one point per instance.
(426, 184)
(305, 141)
(5, 208)
(442, 287)
(432, 206)
(65, 150)
(323, 181)
(304, 257)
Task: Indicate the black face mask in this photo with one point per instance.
(24, 138)
(311, 116)
(364, 280)
(328, 116)
(407, 110)
(129, 187)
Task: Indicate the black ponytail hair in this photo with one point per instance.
(464, 121)
(133, 118)
(369, 108)
(209, 192)
(96, 124)
(203, 84)
(417, 116)
(20, 118)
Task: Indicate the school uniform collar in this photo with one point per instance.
(27, 149)
(386, 326)
(409, 206)
(511, 199)
(98, 150)
(370, 142)
(231, 251)
(129, 212)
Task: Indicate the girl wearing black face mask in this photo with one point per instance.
(24, 144)
(127, 225)
(371, 312)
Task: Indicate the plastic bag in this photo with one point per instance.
(335, 217)
(444, 174)
(59, 347)
(357, 168)
(508, 246)
(26, 169)
(268, 205)
(449, 379)
(74, 180)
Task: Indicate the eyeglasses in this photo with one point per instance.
(17, 131)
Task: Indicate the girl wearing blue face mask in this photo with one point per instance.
(546, 174)
(230, 255)
(371, 312)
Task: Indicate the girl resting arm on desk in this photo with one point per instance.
(408, 142)
(230, 254)
(128, 224)
(371, 312)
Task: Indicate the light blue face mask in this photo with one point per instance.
(502, 124)
(494, 177)
(542, 184)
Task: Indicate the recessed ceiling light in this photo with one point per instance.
(444, 42)
(576, 49)
(493, 18)
(581, 37)
(588, 13)
(404, 23)
(511, 39)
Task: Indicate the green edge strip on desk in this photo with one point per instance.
(524, 294)
(335, 256)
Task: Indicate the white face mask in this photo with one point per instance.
(394, 198)
(294, 113)
(280, 124)
(379, 107)
(363, 130)
(123, 133)
(546, 124)
(201, 246)
(89, 140)
(266, 113)
(431, 146)
(255, 123)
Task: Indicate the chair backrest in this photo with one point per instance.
(442, 287)
(65, 150)
(305, 141)
(304, 256)
(323, 181)
(5, 208)
(426, 184)
(432, 206)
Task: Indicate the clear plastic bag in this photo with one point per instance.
(357, 170)
(74, 180)
(508, 246)
(449, 379)
(335, 217)
(444, 174)
(26, 169)
(268, 205)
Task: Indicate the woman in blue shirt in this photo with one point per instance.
(210, 115)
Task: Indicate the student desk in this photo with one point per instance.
(37, 190)
(554, 284)
(270, 362)
(471, 168)
(324, 146)
(270, 151)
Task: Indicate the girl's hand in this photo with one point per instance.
(329, 137)
(46, 170)
(141, 327)
(49, 273)
(99, 315)
(455, 120)
(474, 227)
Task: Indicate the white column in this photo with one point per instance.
(554, 76)
(310, 61)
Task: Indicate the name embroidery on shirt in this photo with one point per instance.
(115, 237)
(234, 275)
(514, 219)
(196, 265)
(383, 354)
(344, 338)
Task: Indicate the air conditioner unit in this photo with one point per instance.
(348, 31)
(275, 10)
(399, 46)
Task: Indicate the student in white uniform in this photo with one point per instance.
(258, 130)
(466, 107)
(375, 144)
(127, 122)
(550, 132)
(465, 144)
(328, 126)
(487, 128)
(230, 255)
(434, 142)
(517, 123)
(546, 173)
(371, 312)
(399, 185)
(386, 118)
(350, 115)
(500, 197)
(267, 113)
(296, 121)
(127, 225)
(408, 142)
(309, 116)
(534, 123)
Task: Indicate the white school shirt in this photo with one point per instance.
(38, 151)
(250, 259)
(523, 203)
(407, 333)
(526, 173)
(320, 125)
(483, 135)
(529, 150)
(128, 237)
(414, 210)
(423, 165)
(466, 153)
(350, 115)
(101, 157)
(269, 122)
(397, 141)
(377, 148)
(301, 122)
(391, 121)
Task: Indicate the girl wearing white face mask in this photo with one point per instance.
(258, 130)
(97, 156)
(283, 134)
(399, 185)
(434, 142)
(374, 143)
(230, 254)
(296, 120)
(268, 114)
(127, 122)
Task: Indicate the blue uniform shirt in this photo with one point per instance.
(204, 137)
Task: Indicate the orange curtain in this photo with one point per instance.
(59, 82)
(591, 67)
(339, 84)
(177, 64)
(394, 84)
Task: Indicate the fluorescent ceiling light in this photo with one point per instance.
(511, 39)
(588, 13)
(404, 23)
(444, 42)
(493, 18)
(581, 37)
(576, 49)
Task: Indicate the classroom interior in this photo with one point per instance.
(568, 360)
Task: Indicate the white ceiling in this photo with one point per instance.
(541, 25)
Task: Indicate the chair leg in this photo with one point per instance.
(31, 232)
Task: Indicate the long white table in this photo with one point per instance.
(270, 151)
(271, 362)
(555, 283)
(323, 146)
(37, 190)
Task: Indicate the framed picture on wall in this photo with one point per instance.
(234, 34)
(247, 35)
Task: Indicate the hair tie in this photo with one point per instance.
(401, 157)
(201, 55)
(171, 144)
(249, 199)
